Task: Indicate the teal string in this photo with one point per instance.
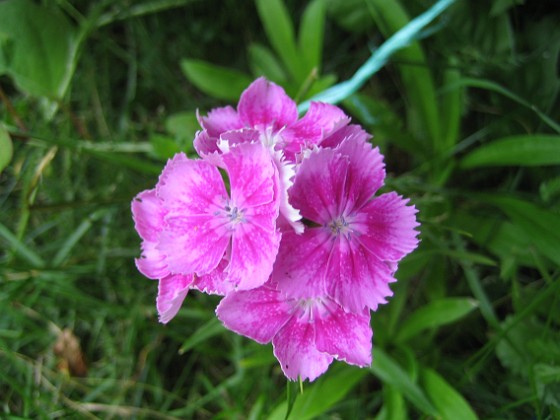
(401, 39)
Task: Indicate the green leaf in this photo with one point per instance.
(541, 226)
(264, 63)
(495, 87)
(42, 49)
(417, 80)
(20, 248)
(447, 400)
(394, 406)
(435, 314)
(311, 32)
(219, 82)
(451, 106)
(320, 396)
(523, 150)
(6, 148)
(390, 372)
(280, 32)
(163, 147)
(208, 330)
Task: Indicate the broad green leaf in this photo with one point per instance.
(320, 396)
(264, 63)
(352, 15)
(541, 226)
(311, 32)
(163, 147)
(390, 372)
(522, 150)
(394, 406)
(42, 47)
(183, 125)
(219, 82)
(6, 148)
(280, 32)
(447, 400)
(435, 314)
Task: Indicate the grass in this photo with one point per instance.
(473, 326)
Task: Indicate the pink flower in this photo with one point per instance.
(271, 115)
(307, 334)
(196, 235)
(265, 107)
(354, 242)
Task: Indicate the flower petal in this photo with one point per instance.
(389, 227)
(216, 282)
(190, 187)
(254, 248)
(253, 176)
(366, 171)
(319, 121)
(172, 291)
(152, 262)
(345, 336)
(265, 104)
(301, 266)
(294, 347)
(258, 314)
(340, 133)
(319, 186)
(205, 145)
(194, 244)
(148, 214)
(356, 278)
(220, 120)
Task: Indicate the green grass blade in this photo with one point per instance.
(6, 148)
(417, 80)
(219, 82)
(280, 32)
(74, 237)
(399, 40)
(523, 150)
(495, 87)
(320, 396)
(435, 314)
(447, 400)
(451, 107)
(311, 32)
(389, 372)
(20, 248)
(264, 63)
(541, 226)
(208, 330)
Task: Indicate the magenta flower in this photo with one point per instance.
(266, 110)
(307, 334)
(354, 242)
(196, 235)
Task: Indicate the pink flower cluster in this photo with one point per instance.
(279, 216)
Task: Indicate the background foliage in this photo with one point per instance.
(97, 95)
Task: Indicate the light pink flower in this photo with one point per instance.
(205, 224)
(354, 242)
(196, 235)
(307, 334)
